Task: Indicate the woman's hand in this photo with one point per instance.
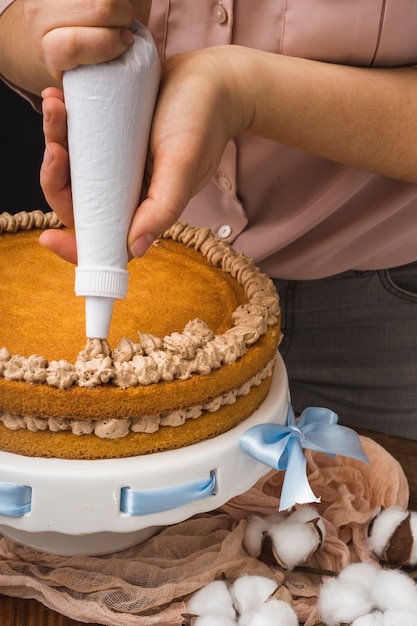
(67, 33)
(40, 39)
(200, 107)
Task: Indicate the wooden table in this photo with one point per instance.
(17, 612)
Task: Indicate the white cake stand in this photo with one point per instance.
(76, 507)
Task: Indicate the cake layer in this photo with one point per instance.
(65, 445)
(110, 401)
(113, 428)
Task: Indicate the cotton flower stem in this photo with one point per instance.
(316, 571)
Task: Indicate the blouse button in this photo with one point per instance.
(224, 231)
(224, 182)
(220, 14)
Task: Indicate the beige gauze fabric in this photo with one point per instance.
(149, 584)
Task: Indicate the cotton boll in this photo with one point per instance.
(294, 542)
(304, 514)
(394, 590)
(342, 601)
(383, 527)
(214, 620)
(413, 526)
(363, 573)
(271, 613)
(307, 514)
(252, 539)
(399, 618)
(249, 592)
(213, 599)
(376, 618)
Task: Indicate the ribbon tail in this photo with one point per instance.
(296, 488)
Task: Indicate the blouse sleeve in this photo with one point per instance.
(4, 4)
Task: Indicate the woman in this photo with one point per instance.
(289, 128)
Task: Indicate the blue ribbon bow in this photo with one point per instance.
(281, 447)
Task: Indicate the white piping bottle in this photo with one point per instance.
(109, 107)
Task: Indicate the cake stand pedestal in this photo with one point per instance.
(99, 507)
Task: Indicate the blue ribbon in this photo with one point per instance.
(281, 447)
(15, 500)
(145, 501)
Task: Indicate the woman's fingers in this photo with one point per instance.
(54, 116)
(61, 243)
(55, 182)
(67, 33)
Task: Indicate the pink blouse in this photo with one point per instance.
(300, 216)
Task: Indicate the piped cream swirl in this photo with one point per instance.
(117, 428)
(27, 221)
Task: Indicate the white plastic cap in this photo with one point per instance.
(101, 281)
(101, 286)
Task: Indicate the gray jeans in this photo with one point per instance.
(350, 344)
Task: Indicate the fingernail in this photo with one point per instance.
(127, 37)
(48, 156)
(142, 243)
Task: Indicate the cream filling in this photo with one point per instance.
(116, 428)
(152, 359)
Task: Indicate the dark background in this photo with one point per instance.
(21, 152)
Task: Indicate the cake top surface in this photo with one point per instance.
(190, 295)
